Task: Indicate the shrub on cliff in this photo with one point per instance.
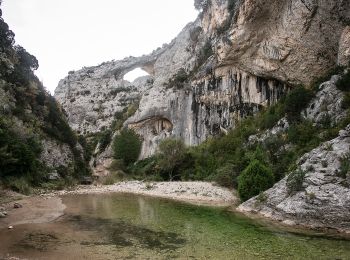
(295, 181)
(178, 80)
(202, 4)
(344, 82)
(296, 100)
(204, 54)
(344, 168)
(105, 139)
(270, 116)
(254, 179)
(127, 146)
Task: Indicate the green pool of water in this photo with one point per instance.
(136, 227)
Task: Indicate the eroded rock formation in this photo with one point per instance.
(238, 56)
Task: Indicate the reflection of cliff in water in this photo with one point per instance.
(148, 213)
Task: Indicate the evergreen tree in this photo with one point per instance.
(254, 179)
(127, 146)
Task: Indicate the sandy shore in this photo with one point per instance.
(37, 209)
(202, 193)
(48, 207)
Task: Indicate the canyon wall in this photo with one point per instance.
(237, 57)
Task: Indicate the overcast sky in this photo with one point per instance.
(66, 35)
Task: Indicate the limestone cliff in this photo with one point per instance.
(236, 58)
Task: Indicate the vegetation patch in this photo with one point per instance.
(171, 154)
(202, 5)
(127, 146)
(296, 101)
(346, 101)
(344, 169)
(295, 181)
(32, 117)
(179, 80)
(344, 82)
(105, 139)
(204, 54)
(256, 178)
(232, 7)
(225, 176)
(19, 159)
(116, 91)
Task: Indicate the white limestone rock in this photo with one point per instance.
(327, 104)
(324, 201)
(55, 154)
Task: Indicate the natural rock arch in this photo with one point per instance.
(134, 74)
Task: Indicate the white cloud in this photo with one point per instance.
(69, 34)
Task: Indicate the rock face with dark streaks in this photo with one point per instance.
(237, 57)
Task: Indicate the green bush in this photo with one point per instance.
(144, 169)
(254, 179)
(60, 184)
(57, 126)
(19, 156)
(226, 176)
(303, 133)
(270, 116)
(117, 165)
(297, 100)
(295, 181)
(88, 146)
(121, 116)
(262, 197)
(21, 185)
(178, 80)
(172, 153)
(258, 154)
(346, 101)
(112, 178)
(127, 146)
(344, 82)
(344, 167)
(105, 139)
(204, 163)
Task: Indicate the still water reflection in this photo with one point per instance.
(136, 227)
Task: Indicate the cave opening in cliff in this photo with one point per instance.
(134, 74)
